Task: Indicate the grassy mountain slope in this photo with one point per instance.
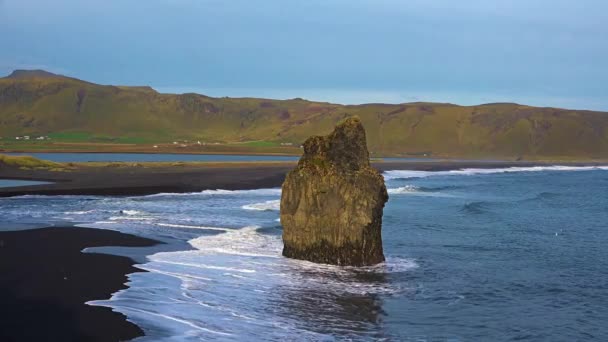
(40, 103)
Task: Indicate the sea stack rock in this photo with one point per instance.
(332, 202)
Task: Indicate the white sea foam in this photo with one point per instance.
(83, 212)
(247, 245)
(233, 282)
(238, 283)
(264, 206)
(244, 241)
(159, 259)
(93, 225)
(408, 189)
(406, 174)
(415, 191)
(131, 212)
(193, 227)
(178, 320)
(221, 192)
(131, 218)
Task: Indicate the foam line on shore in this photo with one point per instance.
(220, 192)
(264, 206)
(194, 227)
(406, 174)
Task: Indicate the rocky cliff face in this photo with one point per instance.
(332, 202)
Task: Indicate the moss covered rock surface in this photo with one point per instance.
(332, 202)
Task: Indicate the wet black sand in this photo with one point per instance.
(45, 281)
(136, 179)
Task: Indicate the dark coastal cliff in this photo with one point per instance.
(332, 202)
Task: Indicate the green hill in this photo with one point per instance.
(40, 103)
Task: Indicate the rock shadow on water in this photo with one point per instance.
(341, 315)
(341, 302)
(476, 208)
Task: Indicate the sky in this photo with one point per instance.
(537, 52)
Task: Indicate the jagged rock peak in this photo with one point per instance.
(345, 147)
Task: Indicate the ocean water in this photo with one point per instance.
(7, 183)
(517, 254)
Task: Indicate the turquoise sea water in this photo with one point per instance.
(472, 255)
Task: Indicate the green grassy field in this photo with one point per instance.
(76, 137)
(78, 115)
(30, 163)
(260, 143)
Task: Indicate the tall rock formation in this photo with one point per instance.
(332, 202)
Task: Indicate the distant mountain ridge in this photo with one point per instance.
(37, 102)
(32, 74)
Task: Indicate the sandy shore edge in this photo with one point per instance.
(136, 179)
(45, 281)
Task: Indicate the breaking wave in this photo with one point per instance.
(192, 227)
(244, 241)
(237, 286)
(221, 192)
(264, 206)
(419, 191)
(131, 212)
(408, 189)
(408, 174)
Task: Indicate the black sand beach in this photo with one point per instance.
(136, 179)
(139, 179)
(45, 281)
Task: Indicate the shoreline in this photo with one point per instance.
(418, 157)
(279, 154)
(47, 279)
(138, 179)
